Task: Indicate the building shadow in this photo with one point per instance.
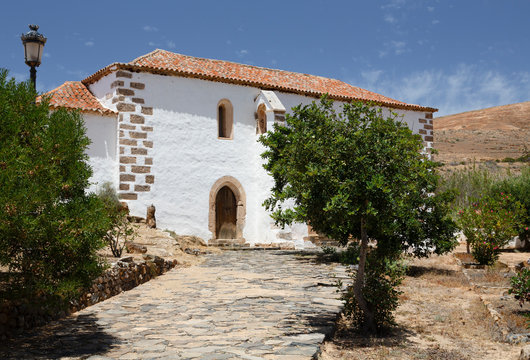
(72, 337)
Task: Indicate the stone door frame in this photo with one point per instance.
(241, 201)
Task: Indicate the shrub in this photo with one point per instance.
(520, 286)
(120, 228)
(50, 229)
(380, 291)
(519, 188)
(348, 256)
(489, 223)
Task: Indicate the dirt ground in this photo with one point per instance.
(440, 317)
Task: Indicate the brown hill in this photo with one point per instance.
(495, 133)
(506, 117)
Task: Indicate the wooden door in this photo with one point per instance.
(225, 214)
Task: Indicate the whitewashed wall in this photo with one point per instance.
(102, 151)
(188, 158)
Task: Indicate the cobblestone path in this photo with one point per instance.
(236, 305)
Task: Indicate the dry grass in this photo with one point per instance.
(440, 317)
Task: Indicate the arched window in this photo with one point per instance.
(261, 126)
(225, 119)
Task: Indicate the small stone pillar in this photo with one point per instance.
(150, 218)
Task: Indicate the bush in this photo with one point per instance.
(50, 228)
(380, 291)
(520, 286)
(519, 188)
(489, 224)
(120, 228)
(348, 256)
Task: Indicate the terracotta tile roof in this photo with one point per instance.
(75, 95)
(169, 63)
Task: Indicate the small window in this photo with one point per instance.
(261, 126)
(225, 119)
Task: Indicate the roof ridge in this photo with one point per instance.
(143, 56)
(239, 64)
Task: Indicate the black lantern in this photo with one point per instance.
(33, 44)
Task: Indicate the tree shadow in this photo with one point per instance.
(72, 337)
(397, 336)
(418, 271)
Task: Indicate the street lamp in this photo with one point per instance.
(33, 43)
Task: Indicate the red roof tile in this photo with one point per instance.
(169, 63)
(75, 95)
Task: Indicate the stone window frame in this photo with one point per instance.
(241, 202)
(225, 120)
(261, 120)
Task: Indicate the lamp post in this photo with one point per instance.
(33, 44)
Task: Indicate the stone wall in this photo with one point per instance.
(135, 142)
(426, 129)
(16, 316)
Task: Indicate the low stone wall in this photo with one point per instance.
(16, 316)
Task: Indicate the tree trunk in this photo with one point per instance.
(369, 323)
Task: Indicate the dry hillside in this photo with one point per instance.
(489, 134)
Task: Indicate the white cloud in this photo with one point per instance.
(434, 22)
(393, 4)
(371, 76)
(390, 19)
(399, 47)
(430, 8)
(242, 53)
(171, 44)
(89, 43)
(150, 28)
(396, 47)
(464, 88)
(152, 43)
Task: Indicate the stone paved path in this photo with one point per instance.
(236, 305)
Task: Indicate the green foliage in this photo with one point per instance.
(359, 174)
(525, 157)
(339, 167)
(489, 223)
(121, 229)
(50, 228)
(519, 188)
(520, 286)
(468, 184)
(380, 291)
(348, 256)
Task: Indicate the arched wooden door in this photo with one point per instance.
(225, 214)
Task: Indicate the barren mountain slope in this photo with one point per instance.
(506, 117)
(489, 134)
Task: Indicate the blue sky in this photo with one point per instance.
(454, 55)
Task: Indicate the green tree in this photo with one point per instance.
(50, 228)
(357, 174)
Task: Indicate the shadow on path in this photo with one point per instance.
(75, 336)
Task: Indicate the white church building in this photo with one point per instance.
(181, 133)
